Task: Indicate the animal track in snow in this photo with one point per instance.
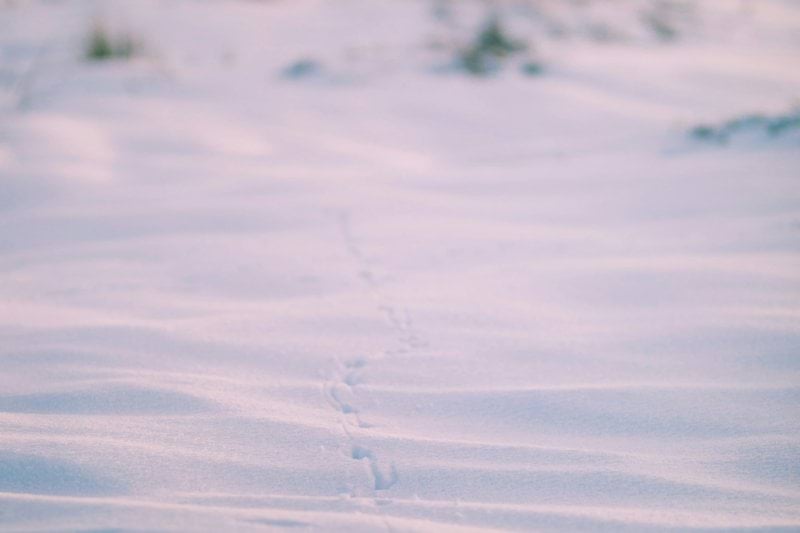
(381, 480)
(346, 376)
(398, 318)
(340, 395)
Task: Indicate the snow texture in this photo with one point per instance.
(290, 266)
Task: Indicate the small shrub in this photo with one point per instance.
(780, 125)
(99, 47)
(102, 46)
(477, 63)
(667, 18)
(489, 48)
(772, 126)
(705, 133)
(493, 40)
(303, 68)
(661, 26)
(532, 68)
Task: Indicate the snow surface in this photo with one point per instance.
(387, 295)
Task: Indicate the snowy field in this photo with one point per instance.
(305, 265)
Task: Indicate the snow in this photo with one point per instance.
(386, 294)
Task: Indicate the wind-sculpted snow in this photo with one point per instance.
(291, 265)
(107, 400)
(34, 474)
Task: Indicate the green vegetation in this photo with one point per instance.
(491, 46)
(666, 18)
(772, 126)
(660, 25)
(532, 68)
(101, 46)
(303, 68)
